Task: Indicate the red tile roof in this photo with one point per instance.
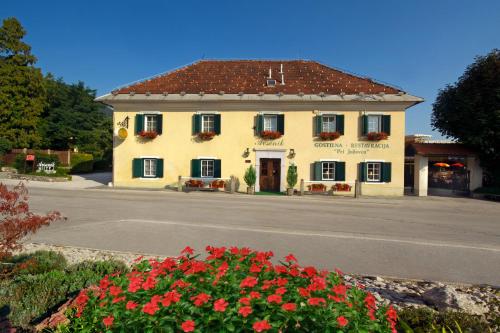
(427, 149)
(249, 77)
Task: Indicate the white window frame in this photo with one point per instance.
(210, 120)
(148, 173)
(378, 125)
(325, 116)
(154, 120)
(270, 118)
(207, 175)
(373, 179)
(332, 170)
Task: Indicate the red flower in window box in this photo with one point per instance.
(339, 187)
(206, 136)
(376, 136)
(270, 135)
(329, 136)
(148, 134)
(317, 188)
(195, 183)
(217, 184)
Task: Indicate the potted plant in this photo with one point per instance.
(206, 136)
(291, 179)
(270, 135)
(250, 178)
(329, 136)
(376, 136)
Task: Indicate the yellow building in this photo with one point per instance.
(212, 119)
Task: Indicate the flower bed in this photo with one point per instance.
(270, 135)
(234, 289)
(317, 188)
(339, 187)
(377, 136)
(148, 134)
(206, 136)
(195, 183)
(329, 136)
(218, 184)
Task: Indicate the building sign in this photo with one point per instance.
(46, 167)
(122, 133)
(263, 142)
(30, 157)
(123, 123)
(358, 148)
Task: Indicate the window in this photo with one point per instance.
(374, 124)
(208, 123)
(150, 168)
(328, 170)
(270, 123)
(329, 124)
(207, 168)
(373, 172)
(150, 123)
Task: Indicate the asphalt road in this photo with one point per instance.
(434, 238)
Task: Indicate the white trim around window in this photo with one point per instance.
(150, 167)
(207, 123)
(328, 169)
(150, 122)
(374, 172)
(207, 168)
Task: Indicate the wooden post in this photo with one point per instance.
(301, 187)
(179, 184)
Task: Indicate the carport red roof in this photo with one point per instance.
(249, 77)
(433, 149)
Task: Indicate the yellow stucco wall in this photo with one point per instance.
(177, 147)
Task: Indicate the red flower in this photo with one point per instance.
(200, 299)
(274, 299)
(245, 311)
(220, 305)
(171, 297)
(280, 291)
(289, 307)
(261, 326)
(340, 289)
(187, 250)
(254, 268)
(316, 301)
(150, 283)
(118, 299)
(254, 294)
(188, 326)
(150, 308)
(248, 282)
(290, 258)
(342, 321)
(304, 292)
(131, 305)
(108, 321)
(115, 291)
(245, 300)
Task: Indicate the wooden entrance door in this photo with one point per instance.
(270, 174)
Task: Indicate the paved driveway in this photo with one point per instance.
(447, 239)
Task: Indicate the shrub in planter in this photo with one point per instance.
(217, 183)
(291, 178)
(195, 183)
(329, 136)
(270, 135)
(317, 188)
(148, 134)
(376, 136)
(250, 178)
(340, 187)
(205, 136)
(232, 290)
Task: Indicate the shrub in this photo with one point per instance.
(82, 163)
(101, 268)
(37, 262)
(102, 165)
(231, 290)
(291, 176)
(250, 176)
(19, 162)
(5, 146)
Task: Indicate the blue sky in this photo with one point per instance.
(418, 45)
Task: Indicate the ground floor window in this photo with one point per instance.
(149, 167)
(373, 171)
(207, 168)
(328, 170)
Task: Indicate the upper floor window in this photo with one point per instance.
(373, 172)
(329, 124)
(374, 123)
(207, 168)
(150, 123)
(208, 123)
(270, 123)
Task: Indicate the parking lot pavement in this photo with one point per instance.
(435, 238)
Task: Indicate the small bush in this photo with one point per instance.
(250, 176)
(102, 165)
(100, 267)
(38, 262)
(291, 176)
(82, 163)
(5, 146)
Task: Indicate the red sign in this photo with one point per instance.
(30, 157)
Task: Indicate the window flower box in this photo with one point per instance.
(317, 188)
(195, 183)
(270, 135)
(339, 187)
(329, 136)
(218, 184)
(148, 134)
(377, 136)
(206, 136)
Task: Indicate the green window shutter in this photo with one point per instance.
(339, 121)
(217, 168)
(260, 124)
(195, 168)
(159, 124)
(364, 125)
(281, 124)
(217, 124)
(159, 168)
(196, 123)
(318, 121)
(139, 123)
(137, 168)
(318, 171)
(340, 171)
(362, 172)
(386, 172)
(386, 124)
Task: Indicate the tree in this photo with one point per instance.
(16, 220)
(291, 176)
(469, 110)
(72, 118)
(250, 176)
(22, 95)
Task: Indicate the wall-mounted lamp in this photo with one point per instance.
(292, 153)
(246, 153)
